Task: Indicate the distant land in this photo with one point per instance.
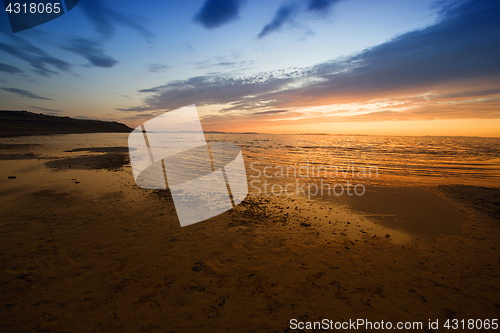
(219, 132)
(19, 123)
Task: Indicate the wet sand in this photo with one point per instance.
(425, 213)
(84, 250)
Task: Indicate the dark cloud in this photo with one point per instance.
(9, 69)
(320, 5)
(463, 45)
(91, 51)
(224, 63)
(40, 61)
(134, 109)
(203, 90)
(271, 112)
(25, 93)
(460, 50)
(289, 10)
(105, 18)
(282, 15)
(215, 13)
(139, 117)
(36, 57)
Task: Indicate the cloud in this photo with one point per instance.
(36, 57)
(243, 92)
(91, 51)
(204, 90)
(25, 93)
(105, 18)
(289, 10)
(282, 15)
(447, 52)
(9, 69)
(155, 68)
(428, 111)
(458, 57)
(320, 5)
(215, 13)
(271, 112)
(44, 109)
(134, 109)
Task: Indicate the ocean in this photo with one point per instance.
(399, 160)
(392, 160)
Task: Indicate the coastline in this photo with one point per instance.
(24, 123)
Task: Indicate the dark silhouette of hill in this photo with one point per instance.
(17, 123)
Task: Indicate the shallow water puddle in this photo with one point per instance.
(419, 212)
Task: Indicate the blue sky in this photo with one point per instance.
(335, 66)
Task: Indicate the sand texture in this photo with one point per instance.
(84, 250)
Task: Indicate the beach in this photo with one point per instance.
(85, 250)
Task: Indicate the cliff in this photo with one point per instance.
(17, 123)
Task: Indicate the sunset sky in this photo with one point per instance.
(389, 67)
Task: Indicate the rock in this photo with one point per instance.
(199, 266)
(12, 177)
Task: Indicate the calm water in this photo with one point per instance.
(399, 160)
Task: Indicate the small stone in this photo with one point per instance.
(12, 177)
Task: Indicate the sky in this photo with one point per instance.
(375, 67)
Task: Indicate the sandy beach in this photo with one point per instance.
(85, 250)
